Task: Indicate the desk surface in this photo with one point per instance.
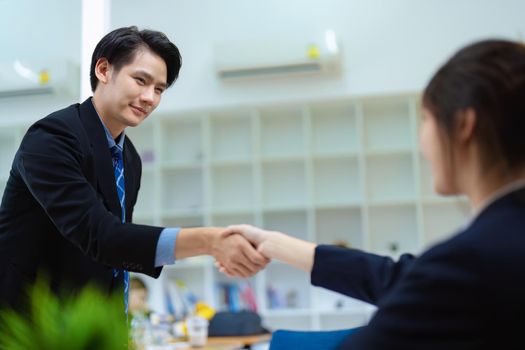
(245, 340)
(230, 343)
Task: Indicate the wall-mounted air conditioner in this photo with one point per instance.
(38, 77)
(278, 57)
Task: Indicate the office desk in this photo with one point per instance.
(229, 343)
(245, 340)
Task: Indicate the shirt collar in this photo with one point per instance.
(111, 141)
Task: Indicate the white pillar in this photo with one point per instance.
(95, 24)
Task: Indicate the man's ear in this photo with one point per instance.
(466, 121)
(103, 70)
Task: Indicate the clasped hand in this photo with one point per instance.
(244, 250)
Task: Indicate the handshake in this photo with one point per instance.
(244, 250)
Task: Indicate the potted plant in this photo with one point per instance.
(91, 320)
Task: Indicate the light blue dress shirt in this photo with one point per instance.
(165, 254)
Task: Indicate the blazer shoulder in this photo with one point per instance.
(61, 120)
(61, 128)
(493, 242)
(501, 223)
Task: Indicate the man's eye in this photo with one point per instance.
(140, 81)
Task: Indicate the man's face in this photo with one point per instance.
(134, 91)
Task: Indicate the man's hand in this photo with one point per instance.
(274, 245)
(236, 255)
(258, 237)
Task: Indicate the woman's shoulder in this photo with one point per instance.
(492, 243)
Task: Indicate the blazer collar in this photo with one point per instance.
(130, 176)
(102, 155)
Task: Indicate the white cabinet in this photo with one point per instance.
(345, 171)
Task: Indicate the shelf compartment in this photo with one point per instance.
(427, 179)
(182, 190)
(192, 277)
(181, 140)
(183, 221)
(390, 178)
(143, 139)
(284, 184)
(3, 184)
(147, 199)
(227, 292)
(8, 147)
(231, 136)
(334, 129)
(144, 219)
(341, 226)
(293, 223)
(291, 322)
(201, 261)
(286, 288)
(223, 220)
(282, 132)
(343, 321)
(387, 125)
(393, 230)
(328, 302)
(442, 220)
(337, 181)
(232, 188)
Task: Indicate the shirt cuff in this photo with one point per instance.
(165, 254)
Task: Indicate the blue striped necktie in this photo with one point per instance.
(118, 167)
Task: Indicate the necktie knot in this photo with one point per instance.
(116, 152)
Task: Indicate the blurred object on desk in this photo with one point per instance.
(232, 324)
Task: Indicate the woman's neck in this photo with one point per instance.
(483, 186)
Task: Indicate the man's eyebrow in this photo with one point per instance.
(150, 78)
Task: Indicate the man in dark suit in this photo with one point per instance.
(68, 204)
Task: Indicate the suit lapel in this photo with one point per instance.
(102, 156)
(129, 176)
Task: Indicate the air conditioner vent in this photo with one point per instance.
(277, 57)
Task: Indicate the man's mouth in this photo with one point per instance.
(139, 110)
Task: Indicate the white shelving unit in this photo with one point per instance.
(346, 171)
(10, 136)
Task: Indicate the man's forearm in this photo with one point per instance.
(196, 241)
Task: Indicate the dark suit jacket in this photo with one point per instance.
(60, 213)
(465, 293)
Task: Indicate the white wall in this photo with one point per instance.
(34, 30)
(389, 45)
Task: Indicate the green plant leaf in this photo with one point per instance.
(90, 320)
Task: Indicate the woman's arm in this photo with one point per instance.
(276, 245)
(352, 272)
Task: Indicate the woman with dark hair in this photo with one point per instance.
(469, 291)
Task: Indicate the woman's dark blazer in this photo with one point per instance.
(465, 293)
